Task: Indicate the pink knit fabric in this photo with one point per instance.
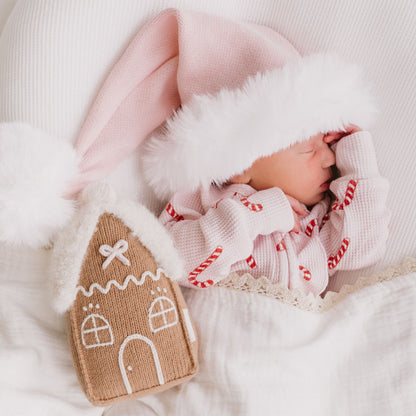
(236, 229)
(175, 56)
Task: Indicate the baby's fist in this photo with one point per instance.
(298, 210)
(333, 136)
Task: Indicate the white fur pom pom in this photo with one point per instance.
(34, 171)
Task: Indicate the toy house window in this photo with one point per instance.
(96, 331)
(162, 314)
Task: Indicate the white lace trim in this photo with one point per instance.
(294, 297)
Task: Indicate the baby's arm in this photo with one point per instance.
(356, 232)
(211, 242)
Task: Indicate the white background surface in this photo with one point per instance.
(6, 7)
(54, 54)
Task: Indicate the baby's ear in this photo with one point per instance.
(241, 178)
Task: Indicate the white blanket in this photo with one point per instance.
(261, 357)
(357, 358)
(258, 355)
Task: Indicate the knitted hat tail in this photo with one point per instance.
(174, 57)
(137, 96)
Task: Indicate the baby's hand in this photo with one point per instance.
(333, 136)
(298, 210)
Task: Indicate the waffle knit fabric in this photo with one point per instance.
(236, 229)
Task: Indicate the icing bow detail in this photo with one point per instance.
(117, 251)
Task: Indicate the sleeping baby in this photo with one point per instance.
(279, 218)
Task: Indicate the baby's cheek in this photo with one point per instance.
(309, 170)
(312, 178)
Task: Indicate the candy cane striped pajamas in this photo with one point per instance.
(236, 229)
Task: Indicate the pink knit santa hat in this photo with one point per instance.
(231, 92)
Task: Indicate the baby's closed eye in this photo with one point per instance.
(307, 149)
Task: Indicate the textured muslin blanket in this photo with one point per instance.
(260, 356)
(356, 358)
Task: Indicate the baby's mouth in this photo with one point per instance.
(326, 184)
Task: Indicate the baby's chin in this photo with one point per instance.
(313, 200)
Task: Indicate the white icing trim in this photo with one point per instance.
(155, 357)
(95, 329)
(70, 248)
(127, 280)
(189, 327)
(114, 252)
(162, 312)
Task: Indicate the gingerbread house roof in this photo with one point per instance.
(72, 243)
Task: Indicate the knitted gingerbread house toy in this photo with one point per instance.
(129, 328)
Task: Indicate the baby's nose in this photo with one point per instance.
(328, 158)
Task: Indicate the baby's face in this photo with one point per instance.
(302, 171)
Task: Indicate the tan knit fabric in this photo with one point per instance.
(129, 328)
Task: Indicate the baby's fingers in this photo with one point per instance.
(297, 207)
(333, 136)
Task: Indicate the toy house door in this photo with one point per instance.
(138, 361)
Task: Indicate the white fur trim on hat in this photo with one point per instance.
(34, 170)
(213, 138)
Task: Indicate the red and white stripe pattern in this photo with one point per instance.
(251, 262)
(250, 205)
(216, 205)
(349, 195)
(192, 276)
(325, 219)
(307, 275)
(333, 261)
(309, 228)
(281, 246)
(171, 211)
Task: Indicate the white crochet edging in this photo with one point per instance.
(70, 247)
(295, 297)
